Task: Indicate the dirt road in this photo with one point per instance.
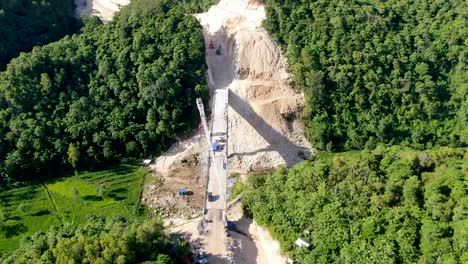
(254, 105)
(223, 24)
(215, 241)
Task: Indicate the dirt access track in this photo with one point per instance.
(263, 110)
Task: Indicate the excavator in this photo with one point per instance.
(218, 51)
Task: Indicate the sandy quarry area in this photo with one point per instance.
(262, 104)
(264, 110)
(264, 128)
(104, 9)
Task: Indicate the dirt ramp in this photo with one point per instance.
(251, 243)
(259, 57)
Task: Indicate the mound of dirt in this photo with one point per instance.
(264, 128)
(178, 154)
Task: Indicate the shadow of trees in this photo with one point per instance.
(10, 229)
(41, 212)
(278, 142)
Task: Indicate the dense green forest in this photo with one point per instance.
(390, 205)
(27, 23)
(377, 71)
(116, 90)
(374, 74)
(101, 241)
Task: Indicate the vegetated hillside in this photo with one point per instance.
(377, 71)
(115, 240)
(26, 23)
(391, 205)
(113, 192)
(118, 90)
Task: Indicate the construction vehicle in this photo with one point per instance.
(218, 51)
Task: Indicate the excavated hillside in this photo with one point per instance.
(264, 109)
(264, 125)
(104, 9)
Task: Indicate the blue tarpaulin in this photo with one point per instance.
(182, 191)
(214, 146)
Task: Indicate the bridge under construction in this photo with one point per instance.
(214, 222)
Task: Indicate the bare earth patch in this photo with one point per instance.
(104, 9)
(176, 169)
(252, 243)
(264, 127)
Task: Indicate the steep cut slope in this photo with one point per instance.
(264, 131)
(263, 118)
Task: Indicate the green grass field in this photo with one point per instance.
(31, 209)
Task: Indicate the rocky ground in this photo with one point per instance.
(180, 167)
(264, 109)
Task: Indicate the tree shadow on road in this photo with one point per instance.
(243, 246)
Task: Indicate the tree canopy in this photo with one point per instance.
(116, 90)
(101, 241)
(377, 71)
(374, 73)
(26, 23)
(391, 205)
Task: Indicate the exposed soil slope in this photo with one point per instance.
(264, 128)
(104, 9)
(264, 110)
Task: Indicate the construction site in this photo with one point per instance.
(251, 124)
(254, 127)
